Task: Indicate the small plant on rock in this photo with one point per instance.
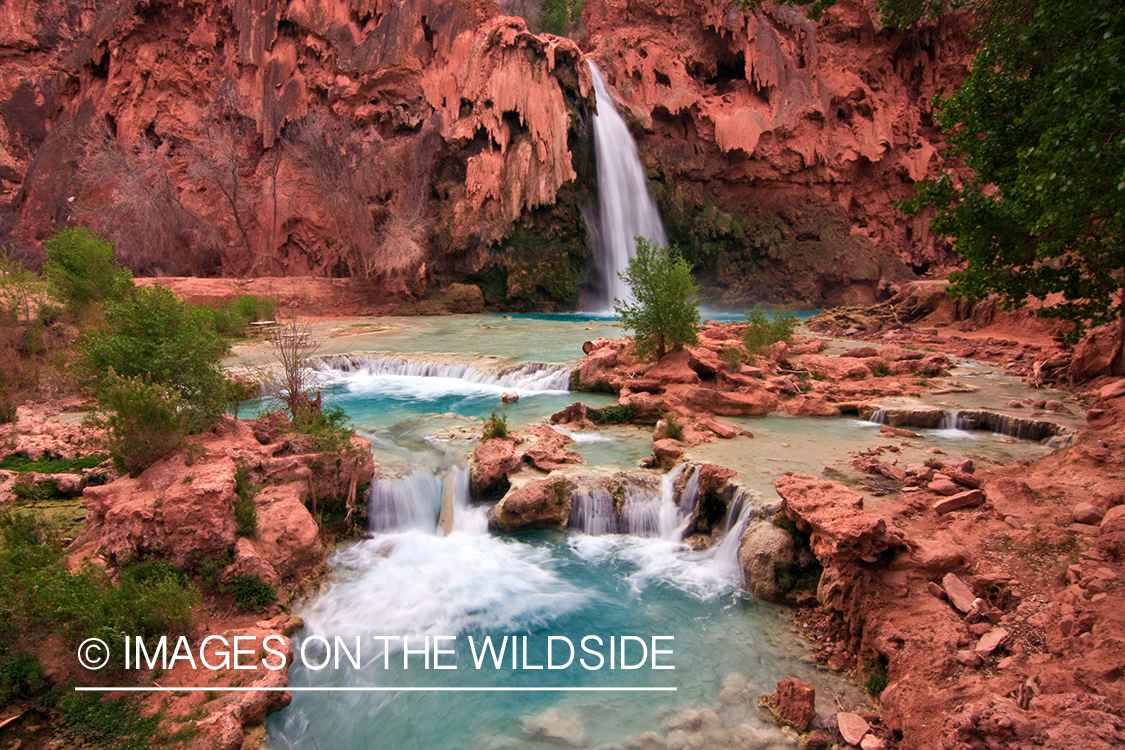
(496, 426)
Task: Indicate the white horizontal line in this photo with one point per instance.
(156, 689)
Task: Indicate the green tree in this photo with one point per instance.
(662, 313)
(82, 270)
(1039, 123)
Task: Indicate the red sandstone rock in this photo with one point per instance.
(724, 431)
(493, 460)
(541, 504)
(961, 500)
(852, 727)
(793, 704)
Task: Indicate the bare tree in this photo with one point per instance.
(293, 380)
(135, 204)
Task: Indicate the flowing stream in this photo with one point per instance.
(419, 389)
(627, 209)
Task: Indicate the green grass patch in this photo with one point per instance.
(114, 724)
(252, 593)
(614, 414)
(21, 464)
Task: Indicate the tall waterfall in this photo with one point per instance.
(627, 209)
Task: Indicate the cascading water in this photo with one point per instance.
(530, 377)
(627, 209)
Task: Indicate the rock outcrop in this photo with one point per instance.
(433, 140)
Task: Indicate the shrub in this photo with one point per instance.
(662, 313)
(82, 270)
(876, 681)
(245, 510)
(152, 334)
(113, 723)
(233, 317)
(732, 357)
(328, 426)
(613, 414)
(21, 464)
(496, 426)
(880, 370)
(252, 593)
(763, 332)
(145, 423)
(40, 596)
(673, 427)
(21, 676)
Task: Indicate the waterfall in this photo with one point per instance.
(627, 209)
(423, 501)
(412, 502)
(739, 513)
(879, 416)
(593, 512)
(529, 377)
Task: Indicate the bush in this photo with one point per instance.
(328, 426)
(40, 596)
(245, 510)
(152, 334)
(496, 426)
(82, 270)
(146, 422)
(233, 317)
(674, 428)
(21, 464)
(613, 414)
(21, 676)
(662, 314)
(732, 357)
(252, 593)
(113, 723)
(762, 332)
(876, 681)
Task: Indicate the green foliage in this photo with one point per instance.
(152, 334)
(238, 392)
(252, 593)
(712, 511)
(662, 313)
(880, 370)
(732, 357)
(496, 426)
(28, 492)
(674, 428)
(40, 596)
(82, 270)
(21, 464)
(613, 414)
(19, 288)
(245, 509)
(111, 723)
(876, 681)
(21, 676)
(232, 318)
(763, 331)
(1038, 121)
(559, 17)
(145, 422)
(328, 426)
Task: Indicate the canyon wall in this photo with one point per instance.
(416, 143)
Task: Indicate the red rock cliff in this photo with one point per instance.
(401, 142)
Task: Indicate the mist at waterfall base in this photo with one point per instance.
(409, 580)
(626, 210)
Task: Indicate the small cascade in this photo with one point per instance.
(468, 518)
(641, 512)
(627, 209)
(593, 512)
(739, 512)
(879, 416)
(412, 502)
(1022, 428)
(529, 377)
(670, 519)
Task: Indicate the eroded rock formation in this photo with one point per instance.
(427, 141)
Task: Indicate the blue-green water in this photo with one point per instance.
(536, 585)
(409, 580)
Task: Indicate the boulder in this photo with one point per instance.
(712, 478)
(542, 504)
(728, 404)
(793, 704)
(288, 536)
(942, 486)
(249, 562)
(493, 460)
(1114, 390)
(549, 451)
(509, 397)
(464, 298)
(765, 550)
(852, 727)
(959, 593)
(721, 429)
(967, 499)
(840, 529)
(1087, 513)
(667, 451)
(990, 641)
(576, 414)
